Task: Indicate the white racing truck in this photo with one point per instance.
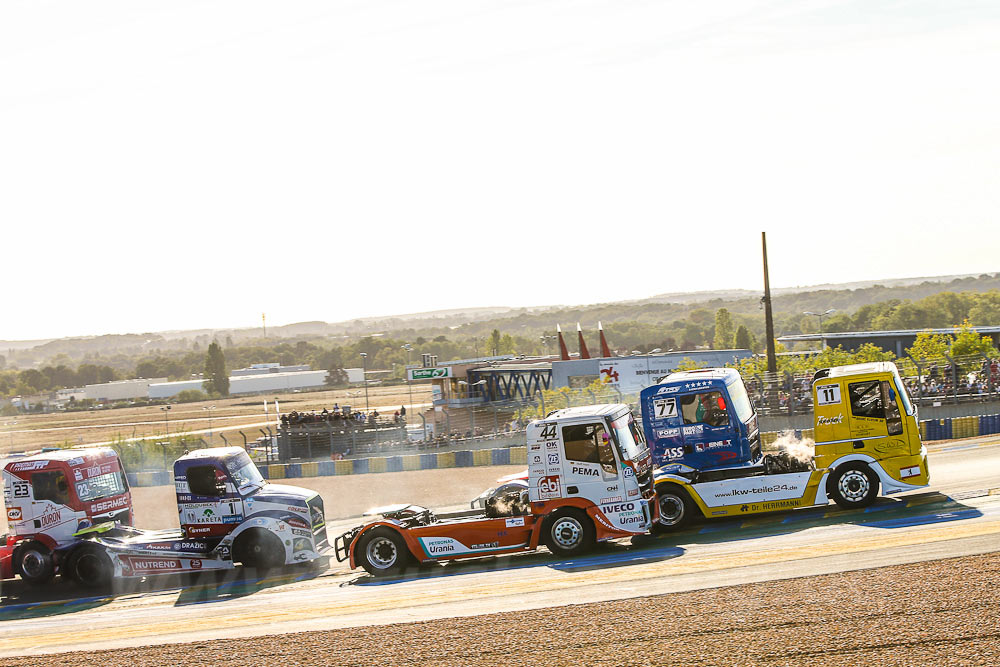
(228, 514)
(589, 480)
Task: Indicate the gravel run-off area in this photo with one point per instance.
(944, 612)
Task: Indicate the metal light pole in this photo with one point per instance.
(364, 369)
(209, 409)
(409, 383)
(166, 420)
(821, 316)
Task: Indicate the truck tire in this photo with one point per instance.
(259, 549)
(569, 532)
(382, 552)
(676, 509)
(33, 561)
(90, 566)
(854, 485)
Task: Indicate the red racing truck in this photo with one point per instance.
(51, 496)
(589, 480)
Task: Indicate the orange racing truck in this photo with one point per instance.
(589, 480)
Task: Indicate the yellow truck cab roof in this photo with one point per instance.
(856, 369)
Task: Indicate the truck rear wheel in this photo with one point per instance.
(854, 485)
(569, 532)
(33, 561)
(90, 566)
(259, 549)
(382, 551)
(676, 509)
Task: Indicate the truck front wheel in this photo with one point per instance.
(259, 549)
(854, 485)
(90, 566)
(33, 561)
(382, 552)
(675, 508)
(569, 532)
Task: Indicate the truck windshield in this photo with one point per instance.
(244, 472)
(741, 402)
(102, 486)
(630, 449)
(901, 390)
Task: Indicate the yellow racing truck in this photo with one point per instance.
(704, 438)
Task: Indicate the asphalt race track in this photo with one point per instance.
(958, 516)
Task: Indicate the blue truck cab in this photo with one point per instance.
(703, 419)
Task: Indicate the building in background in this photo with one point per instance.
(122, 390)
(633, 373)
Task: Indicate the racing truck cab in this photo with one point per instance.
(228, 513)
(52, 495)
(589, 480)
(703, 419)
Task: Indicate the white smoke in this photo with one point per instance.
(798, 449)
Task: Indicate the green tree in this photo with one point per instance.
(723, 330)
(689, 364)
(929, 345)
(508, 345)
(985, 311)
(336, 377)
(493, 344)
(216, 375)
(870, 352)
(968, 342)
(743, 341)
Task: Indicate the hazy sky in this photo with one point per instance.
(169, 165)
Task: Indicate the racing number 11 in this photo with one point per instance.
(828, 394)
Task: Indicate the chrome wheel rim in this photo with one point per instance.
(671, 509)
(33, 564)
(854, 485)
(381, 552)
(567, 532)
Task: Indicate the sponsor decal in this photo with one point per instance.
(552, 444)
(673, 452)
(534, 447)
(719, 513)
(514, 522)
(667, 390)
(113, 504)
(548, 487)
(159, 546)
(150, 564)
(77, 476)
(190, 546)
(301, 533)
(195, 530)
(249, 503)
(14, 514)
(907, 473)
(603, 522)
(618, 508)
(829, 421)
(668, 433)
(553, 459)
(633, 493)
(296, 522)
(699, 447)
(439, 546)
(30, 465)
(78, 460)
(698, 385)
(50, 519)
(630, 519)
(487, 545)
(613, 488)
(773, 488)
(627, 472)
(612, 499)
(195, 564)
(536, 458)
(577, 470)
(697, 429)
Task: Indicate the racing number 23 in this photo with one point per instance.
(665, 408)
